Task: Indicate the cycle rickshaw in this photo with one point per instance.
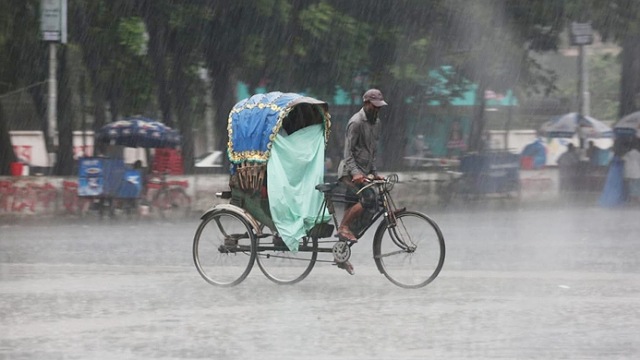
(282, 215)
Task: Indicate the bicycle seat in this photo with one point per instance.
(326, 187)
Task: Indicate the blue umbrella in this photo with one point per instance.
(566, 126)
(138, 132)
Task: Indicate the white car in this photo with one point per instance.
(210, 162)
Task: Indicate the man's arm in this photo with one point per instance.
(351, 167)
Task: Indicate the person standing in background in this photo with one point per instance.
(568, 165)
(456, 144)
(632, 171)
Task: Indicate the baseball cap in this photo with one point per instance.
(375, 97)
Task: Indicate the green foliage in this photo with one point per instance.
(605, 87)
(132, 35)
(310, 45)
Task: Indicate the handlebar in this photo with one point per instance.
(387, 182)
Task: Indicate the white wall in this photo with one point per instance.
(29, 147)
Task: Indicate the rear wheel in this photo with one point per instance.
(411, 253)
(224, 248)
(282, 266)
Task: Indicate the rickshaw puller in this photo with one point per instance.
(358, 165)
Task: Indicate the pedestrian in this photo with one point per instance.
(358, 165)
(632, 171)
(568, 165)
(418, 151)
(456, 144)
(593, 153)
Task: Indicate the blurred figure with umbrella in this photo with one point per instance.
(568, 164)
(632, 171)
(572, 124)
(623, 165)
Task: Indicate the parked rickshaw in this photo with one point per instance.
(110, 184)
(479, 174)
(282, 215)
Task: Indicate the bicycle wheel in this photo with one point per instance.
(224, 248)
(282, 266)
(172, 203)
(411, 253)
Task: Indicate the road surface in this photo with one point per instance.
(554, 282)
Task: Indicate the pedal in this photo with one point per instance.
(341, 252)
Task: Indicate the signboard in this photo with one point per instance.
(53, 20)
(581, 34)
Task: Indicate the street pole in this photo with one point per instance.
(586, 95)
(580, 92)
(53, 25)
(83, 106)
(581, 35)
(52, 108)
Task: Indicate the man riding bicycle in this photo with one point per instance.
(358, 165)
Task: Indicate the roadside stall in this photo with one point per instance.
(107, 180)
(584, 176)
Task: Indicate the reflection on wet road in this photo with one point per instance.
(517, 284)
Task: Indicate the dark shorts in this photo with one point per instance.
(367, 198)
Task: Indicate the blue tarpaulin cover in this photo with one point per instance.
(613, 192)
(254, 122)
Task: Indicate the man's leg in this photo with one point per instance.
(351, 212)
(350, 215)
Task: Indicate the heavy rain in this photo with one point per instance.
(478, 165)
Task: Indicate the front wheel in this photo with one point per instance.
(224, 248)
(411, 252)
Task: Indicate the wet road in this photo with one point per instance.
(537, 283)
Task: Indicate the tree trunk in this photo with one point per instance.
(478, 120)
(64, 161)
(38, 98)
(393, 130)
(157, 56)
(7, 156)
(630, 79)
(99, 114)
(183, 112)
(223, 98)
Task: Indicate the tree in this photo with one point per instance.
(618, 20)
(497, 38)
(231, 44)
(402, 49)
(7, 156)
(21, 57)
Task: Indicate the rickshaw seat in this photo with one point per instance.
(326, 187)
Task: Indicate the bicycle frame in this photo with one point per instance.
(385, 201)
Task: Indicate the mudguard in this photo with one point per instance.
(236, 210)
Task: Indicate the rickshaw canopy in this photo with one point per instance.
(254, 122)
(282, 135)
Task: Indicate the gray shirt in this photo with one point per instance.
(360, 146)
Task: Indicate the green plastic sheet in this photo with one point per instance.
(295, 167)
